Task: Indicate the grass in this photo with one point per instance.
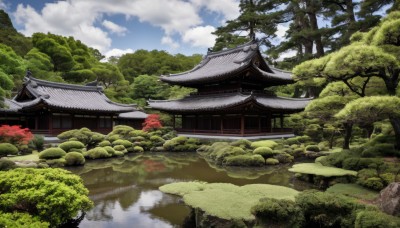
(30, 157)
(320, 170)
(353, 190)
(227, 201)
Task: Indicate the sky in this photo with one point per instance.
(115, 27)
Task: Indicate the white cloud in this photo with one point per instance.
(116, 52)
(169, 41)
(287, 54)
(200, 36)
(228, 8)
(114, 28)
(281, 31)
(80, 18)
(3, 5)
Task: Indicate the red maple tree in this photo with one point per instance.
(15, 134)
(152, 122)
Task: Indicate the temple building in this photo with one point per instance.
(232, 96)
(49, 108)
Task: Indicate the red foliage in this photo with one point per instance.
(152, 122)
(15, 134)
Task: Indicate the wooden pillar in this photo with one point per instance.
(222, 124)
(281, 120)
(37, 122)
(173, 121)
(259, 123)
(269, 127)
(274, 121)
(242, 125)
(50, 119)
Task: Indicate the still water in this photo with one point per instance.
(125, 190)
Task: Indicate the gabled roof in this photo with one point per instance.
(218, 66)
(67, 97)
(133, 115)
(220, 102)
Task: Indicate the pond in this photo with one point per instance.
(125, 190)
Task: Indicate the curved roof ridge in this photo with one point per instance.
(237, 48)
(62, 85)
(200, 96)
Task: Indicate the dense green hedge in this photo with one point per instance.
(244, 160)
(97, 152)
(52, 195)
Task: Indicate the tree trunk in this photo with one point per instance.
(395, 121)
(311, 9)
(348, 128)
(352, 27)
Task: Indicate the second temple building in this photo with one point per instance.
(231, 97)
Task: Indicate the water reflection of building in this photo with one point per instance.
(49, 108)
(231, 98)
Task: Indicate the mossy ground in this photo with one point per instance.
(354, 190)
(227, 201)
(320, 170)
(30, 157)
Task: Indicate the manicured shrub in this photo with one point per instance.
(120, 148)
(6, 164)
(298, 152)
(53, 195)
(313, 148)
(284, 158)
(37, 142)
(67, 146)
(57, 162)
(375, 219)
(83, 135)
(119, 153)
(271, 161)
(181, 143)
(291, 141)
(97, 152)
(104, 143)
(220, 150)
(21, 220)
(265, 152)
(136, 133)
(264, 143)
(123, 142)
(112, 137)
(356, 163)
(52, 153)
(278, 213)
(157, 140)
(109, 150)
(375, 183)
(122, 131)
(7, 149)
(242, 143)
(303, 139)
(138, 149)
(323, 209)
(74, 158)
(380, 149)
(244, 160)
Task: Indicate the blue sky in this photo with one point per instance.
(120, 26)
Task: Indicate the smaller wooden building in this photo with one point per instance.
(49, 108)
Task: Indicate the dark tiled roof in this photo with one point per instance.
(133, 115)
(221, 65)
(219, 102)
(14, 106)
(68, 96)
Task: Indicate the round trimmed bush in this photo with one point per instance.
(291, 141)
(104, 143)
(98, 152)
(6, 164)
(7, 148)
(58, 162)
(244, 160)
(157, 140)
(313, 148)
(120, 148)
(67, 146)
(138, 149)
(243, 143)
(109, 150)
(74, 158)
(52, 153)
(119, 153)
(122, 142)
(272, 161)
(284, 158)
(265, 152)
